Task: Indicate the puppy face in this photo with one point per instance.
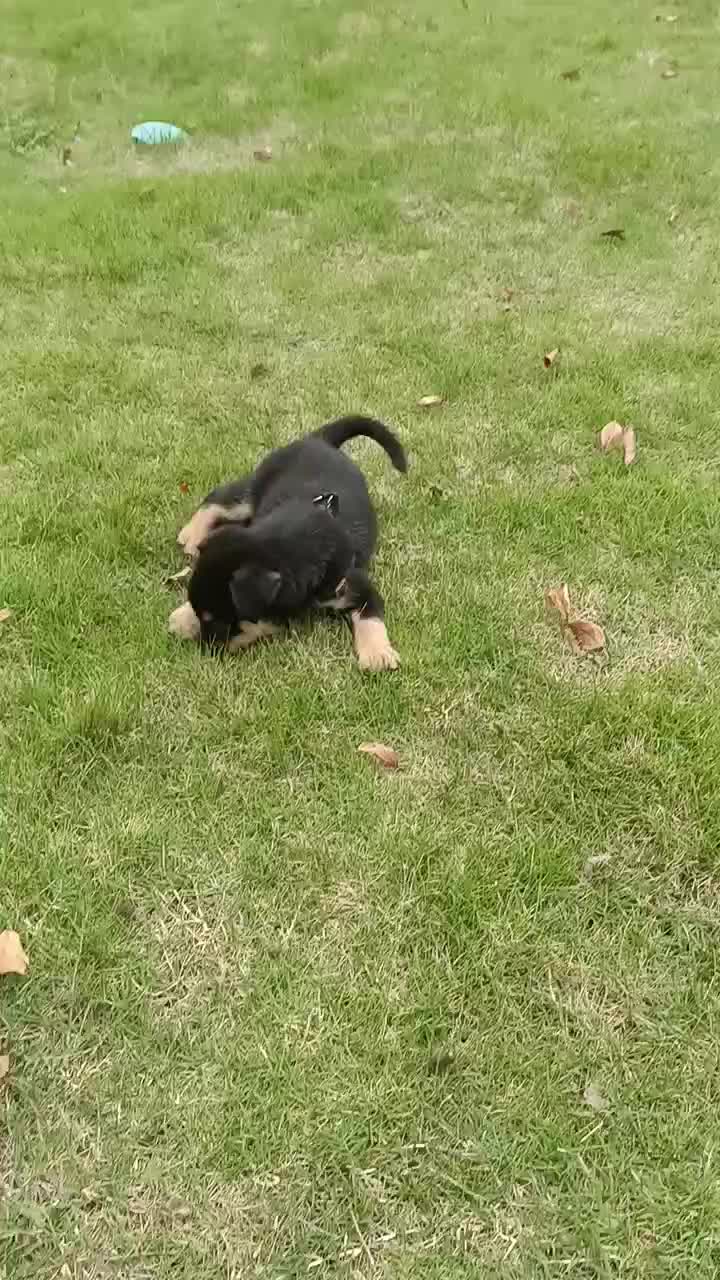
(212, 604)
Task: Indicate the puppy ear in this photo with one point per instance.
(266, 584)
(238, 581)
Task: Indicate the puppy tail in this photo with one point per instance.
(336, 433)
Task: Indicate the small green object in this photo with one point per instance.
(153, 132)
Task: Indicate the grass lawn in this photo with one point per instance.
(288, 1015)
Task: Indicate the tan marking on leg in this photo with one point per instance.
(250, 633)
(341, 600)
(201, 525)
(184, 622)
(372, 645)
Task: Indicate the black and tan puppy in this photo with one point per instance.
(300, 535)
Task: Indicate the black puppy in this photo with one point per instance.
(301, 533)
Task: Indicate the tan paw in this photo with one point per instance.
(372, 645)
(200, 526)
(386, 659)
(184, 622)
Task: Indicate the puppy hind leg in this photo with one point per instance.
(207, 518)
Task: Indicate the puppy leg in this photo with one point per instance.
(250, 633)
(357, 596)
(201, 525)
(184, 622)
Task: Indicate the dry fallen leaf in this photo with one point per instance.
(551, 358)
(615, 436)
(615, 233)
(12, 956)
(5, 614)
(592, 1097)
(430, 402)
(4, 1065)
(385, 756)
(184, 486)
(181, 576)
(263, 154)
(587, 636)
(611, 436)
(558, 599)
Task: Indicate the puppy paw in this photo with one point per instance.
(198, 529)
(184, 536)
(184, 622)
(386, 659)
(372, 645)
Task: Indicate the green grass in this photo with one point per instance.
(247, 946)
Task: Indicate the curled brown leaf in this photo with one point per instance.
(557, 600)
(385, 756)
(587, 637)
(550, 359)
(12, 956)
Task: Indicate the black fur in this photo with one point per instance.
(297, 552)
